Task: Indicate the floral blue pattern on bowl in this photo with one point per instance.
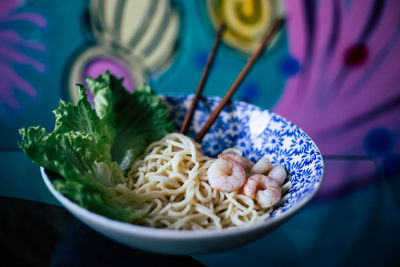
(257, 132)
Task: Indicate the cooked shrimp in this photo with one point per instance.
(246, 164)
(278, 173)
(262, 166)
(226, 174)
(267, 189)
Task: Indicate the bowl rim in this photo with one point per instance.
(160, 233)
(146, 231)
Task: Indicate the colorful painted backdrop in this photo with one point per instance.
(334, 71)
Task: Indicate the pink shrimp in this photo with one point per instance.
(262, 166)
(226, 174)
(246, 164)
(264, 189)
(278, 173)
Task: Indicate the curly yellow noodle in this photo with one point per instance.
(171, 178)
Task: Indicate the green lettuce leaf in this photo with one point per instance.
(91, 149)
(137, 119)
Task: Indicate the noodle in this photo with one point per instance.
(172, 179)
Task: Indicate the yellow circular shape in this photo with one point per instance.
(248, 27)
(249, 8)
(246, 20)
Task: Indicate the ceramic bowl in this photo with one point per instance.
(255, 132)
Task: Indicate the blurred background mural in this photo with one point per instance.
(334, 71)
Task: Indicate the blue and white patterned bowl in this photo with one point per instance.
(255, 132)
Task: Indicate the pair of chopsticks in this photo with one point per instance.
(213, 116)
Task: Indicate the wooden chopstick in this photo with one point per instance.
(267, 37)
(210, 60)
